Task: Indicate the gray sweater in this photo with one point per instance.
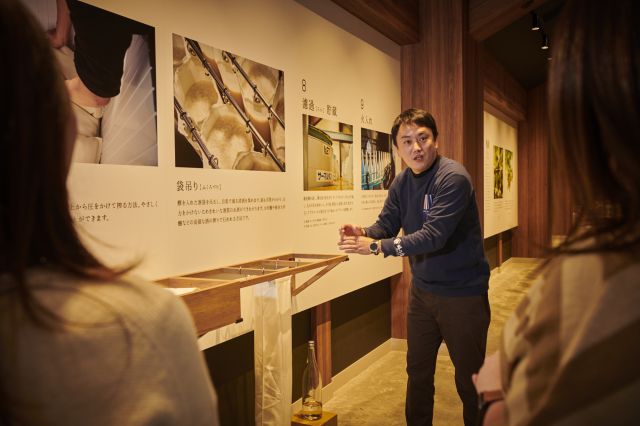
(442, 236)
(128, 355)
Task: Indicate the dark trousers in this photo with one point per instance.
(462, 322)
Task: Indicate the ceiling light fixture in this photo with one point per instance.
(535, 22)
(545, 42)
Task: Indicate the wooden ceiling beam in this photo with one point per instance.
(487, 17)
(397, 20)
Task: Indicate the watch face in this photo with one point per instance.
(373, 247)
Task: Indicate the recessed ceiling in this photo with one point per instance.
(517, 48)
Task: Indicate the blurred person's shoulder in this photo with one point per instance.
(595, 269)
(131, 348)
(84, 299)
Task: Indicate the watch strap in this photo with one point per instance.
(485, 400)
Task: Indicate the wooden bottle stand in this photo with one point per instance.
(327, 419)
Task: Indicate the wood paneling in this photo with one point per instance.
(231, 368)
(561, 205)
(398, 20)
(501, 90)
(400, 285)
(473, 119)
(433, 73)
(322, 321)
(533, 232)
(486, 17)
(441, 74)
(360, 322)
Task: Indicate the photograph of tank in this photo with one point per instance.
(379, 161)
(498, 172)
(108, 62)
(327, 154)
(229, 110)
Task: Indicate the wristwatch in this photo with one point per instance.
(374, 247)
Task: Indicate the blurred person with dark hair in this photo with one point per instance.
(571, 351)
(80, 343)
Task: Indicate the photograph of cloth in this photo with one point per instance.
(229, 110)
(108, 62)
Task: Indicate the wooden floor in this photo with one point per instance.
(376, 397)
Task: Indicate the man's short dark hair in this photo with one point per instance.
(419, 117)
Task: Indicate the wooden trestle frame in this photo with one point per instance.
(216, 300)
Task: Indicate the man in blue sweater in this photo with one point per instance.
(433, 201)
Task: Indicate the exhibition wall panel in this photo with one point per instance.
(176, 215)
(501, 175)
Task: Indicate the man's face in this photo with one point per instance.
(416, 146)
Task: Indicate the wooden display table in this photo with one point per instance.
(327, 419)
(214, 296)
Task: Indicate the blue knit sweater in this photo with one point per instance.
(442, 236)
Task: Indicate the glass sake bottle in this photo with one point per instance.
(311, 387)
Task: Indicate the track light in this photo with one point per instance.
(545, 42)
(536, 25)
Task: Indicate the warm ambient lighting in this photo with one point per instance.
(535, 22)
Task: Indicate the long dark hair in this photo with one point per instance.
(36, 228)
(594, 111)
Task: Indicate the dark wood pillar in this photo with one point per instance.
(533, 233)
(441, 74)
(399, 295)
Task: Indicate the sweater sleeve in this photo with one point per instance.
(450, 202)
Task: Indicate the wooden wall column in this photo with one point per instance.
(400, 285)
(533, 233)
(321, 321)
(441, 74)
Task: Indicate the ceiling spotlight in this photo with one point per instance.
(545, 42)
(535, 22)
